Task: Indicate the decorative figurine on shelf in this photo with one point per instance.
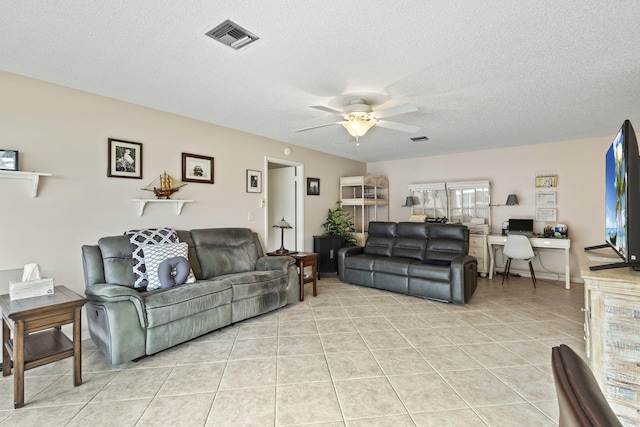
(282, 224)
(164, 186)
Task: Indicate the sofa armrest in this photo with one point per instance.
(345, 252)
(464, 278)
(288, 265)
(274, 263)
(104, 293)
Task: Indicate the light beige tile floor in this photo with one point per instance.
(352, 356)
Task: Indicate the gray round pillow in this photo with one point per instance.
(166, 273)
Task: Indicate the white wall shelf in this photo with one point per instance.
(33, 176)
(143, 202)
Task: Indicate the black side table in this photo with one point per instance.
(327, 249)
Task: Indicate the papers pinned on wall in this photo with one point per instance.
(546, 214)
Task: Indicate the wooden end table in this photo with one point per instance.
(35, 324)
(304, 259)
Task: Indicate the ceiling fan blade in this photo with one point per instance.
(318, 126)
(394, 111)
(327, 109)
(398, 126)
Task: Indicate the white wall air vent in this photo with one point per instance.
(232, 35)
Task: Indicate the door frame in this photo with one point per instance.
(299, 220)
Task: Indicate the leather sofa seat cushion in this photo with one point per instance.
(164, 306)
(397, 266)
(255, 283)
(431, 272)
(360, 262)
(223, 251)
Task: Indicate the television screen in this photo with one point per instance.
(616, 196)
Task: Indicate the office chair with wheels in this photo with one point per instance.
(518, 247)
(580, 400)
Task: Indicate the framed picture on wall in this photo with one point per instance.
(254, 181)
(313, 186)
(125, 159)
(196, 168)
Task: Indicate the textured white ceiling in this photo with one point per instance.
(484, 74)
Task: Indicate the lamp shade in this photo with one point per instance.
(512, 200)
(409, 202)
(282, 224)
(358, 126)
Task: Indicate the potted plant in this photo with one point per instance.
(339, 222)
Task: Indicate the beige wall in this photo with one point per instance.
(579, 166)
(64, 132)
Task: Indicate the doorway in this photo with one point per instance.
(284, 198)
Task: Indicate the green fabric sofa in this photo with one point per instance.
(235, 281)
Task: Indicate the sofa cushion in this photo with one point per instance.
(360, 262)
(223, 251)
(154, 255)
(251, 284)
(140, 238)
(406, 247)
(380, 239)
(411, 240)
(392, 265)
(447, 241)
(116, 258)
(164, 306)
(432, 272)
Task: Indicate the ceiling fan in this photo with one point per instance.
(359, 117)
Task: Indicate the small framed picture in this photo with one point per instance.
(125, 159)
(197, 168)
(8, 160)
(313, 186)
(254, 181)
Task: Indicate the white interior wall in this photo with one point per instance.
(64, 131)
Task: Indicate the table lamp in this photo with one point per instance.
(282, 224)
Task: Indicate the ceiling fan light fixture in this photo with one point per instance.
(358, 126)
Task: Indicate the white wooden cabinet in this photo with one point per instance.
(367, 199)
(612, 332)
(478, 249)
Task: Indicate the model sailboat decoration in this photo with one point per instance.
(164, 186)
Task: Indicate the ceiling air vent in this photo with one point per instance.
(419, 138)
(232, 35)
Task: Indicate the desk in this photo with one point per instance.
(536, 242)
(37, 338)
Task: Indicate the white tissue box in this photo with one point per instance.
(31, 288)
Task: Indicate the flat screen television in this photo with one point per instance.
(622, 199)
